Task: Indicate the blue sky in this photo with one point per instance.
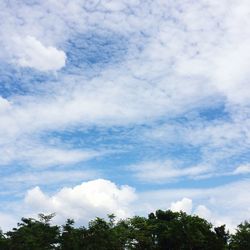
(124, 107)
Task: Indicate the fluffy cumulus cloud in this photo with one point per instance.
(154, 91)
(85, 201)
(184, 205)
(205, 213)
(30, 52)
(214, 204)
(100, 197)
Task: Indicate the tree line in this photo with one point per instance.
(162, 230)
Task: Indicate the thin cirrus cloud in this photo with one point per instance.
(166, 171)
(156, 83)
(20, 182)
(242, 169)
(44, 156)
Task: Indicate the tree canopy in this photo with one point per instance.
(162, 230)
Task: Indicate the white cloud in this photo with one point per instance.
(38, 154)
(215, 204)
(165, 171)
(49, 177)
(190, 58)
(203, 212)
(242, 169)
(101, 197)
(30, 52)
(83, 202)
(55, 156)
(184, 205)
(4, 105)
(178, 68)
(7, 221)
(217, 140)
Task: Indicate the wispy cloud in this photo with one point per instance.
(242, 169)
(18, 183)
(166, 171)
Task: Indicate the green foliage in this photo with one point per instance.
(3, 241)
(173, 230)
(162, 230)
(72, 238)
(32, 234)
(222, 237)
(241, 239)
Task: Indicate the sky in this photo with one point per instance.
(124, 107)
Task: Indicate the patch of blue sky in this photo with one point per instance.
(22, 81)
(210, 110)
(6, 172)
(229, 163)
(213, 182)
(119, 175)
(93, 51)
(14, 188)
(8, 169)
(94, 137)
(124, 147)
(214, 113)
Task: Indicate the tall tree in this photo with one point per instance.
(34, 234)
(72, 238)
(241, 239)
(3, 241)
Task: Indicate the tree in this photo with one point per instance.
(177, 230)
(3, 241)
(162, 230)
(241, 239)
(72, 238)
(140, 234)
(222, 237)
(34, 234)
(99, 235)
